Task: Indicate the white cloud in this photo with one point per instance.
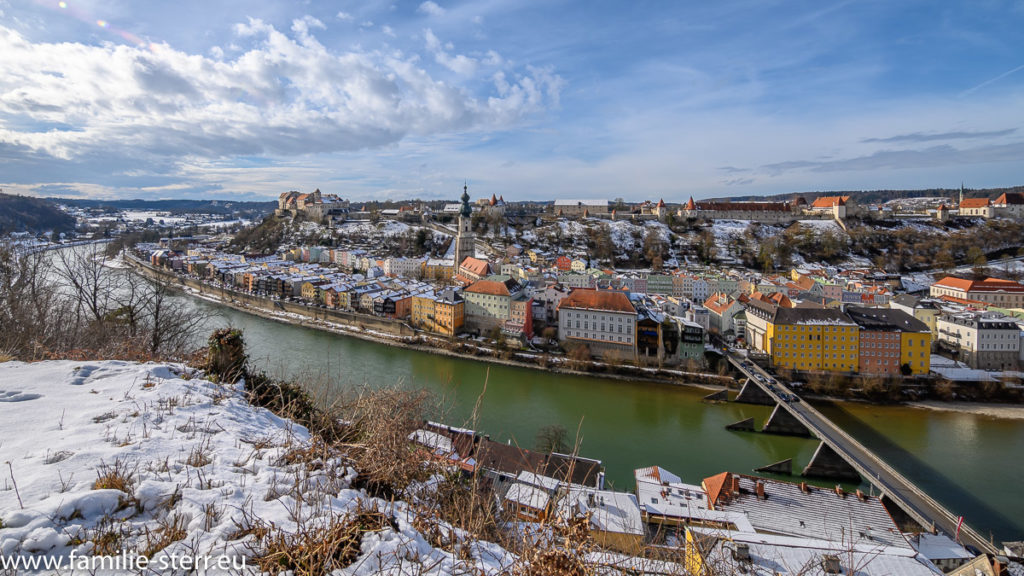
(431, 8)
(388, 31)
(493, 59)
(344, 16)
(459, 63)
(283, 95)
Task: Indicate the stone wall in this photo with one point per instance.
(242, 301)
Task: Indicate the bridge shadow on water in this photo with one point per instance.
(937, 483)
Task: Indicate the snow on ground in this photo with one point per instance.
(383, 228)
(820, 226)
(143, 215)
(200, 458)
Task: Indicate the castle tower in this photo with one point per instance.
(464, 241)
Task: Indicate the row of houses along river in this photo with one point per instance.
(972, 464)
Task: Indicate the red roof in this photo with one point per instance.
(597, 300)
(743, 206)
(829, 201)
(476, 266)
(716, 485)
(974, 203)
(1009, 199)
(691, 205)
(986, 285)
(719, 302)
(492, 287)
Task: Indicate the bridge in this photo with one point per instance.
(841, 456)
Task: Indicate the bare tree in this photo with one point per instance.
(30, 311)
(55, 302)
(86, 280)
(170, 322)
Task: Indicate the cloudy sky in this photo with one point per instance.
(530, 100)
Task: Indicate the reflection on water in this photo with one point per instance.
(967, 462)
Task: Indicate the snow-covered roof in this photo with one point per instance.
(528, 496)
(609, 511)
(772, 555)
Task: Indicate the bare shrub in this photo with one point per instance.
(318, 545)
(379, 423)
(226, 356)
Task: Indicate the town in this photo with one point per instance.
(813, 319)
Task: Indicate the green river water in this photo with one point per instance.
(973, 464)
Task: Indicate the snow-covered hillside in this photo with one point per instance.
(116, 456)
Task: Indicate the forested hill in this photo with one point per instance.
(178, 206)
(28, 214)
(880, 196)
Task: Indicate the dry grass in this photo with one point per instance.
(116, 476)
(317, 546)
(108, 537)
(168, 531)
(199, 455)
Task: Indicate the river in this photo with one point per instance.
(970, 463)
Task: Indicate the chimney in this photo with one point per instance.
(861, 496)
(804, 488)
(760, 490)
(735, 485)
(999, 565)
(830, 564)
(840, 492)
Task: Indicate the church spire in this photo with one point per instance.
(466, 210)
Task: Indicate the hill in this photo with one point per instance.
(177, 206)
(35, 215)
(880, 196)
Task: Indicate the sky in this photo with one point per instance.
(530, 100)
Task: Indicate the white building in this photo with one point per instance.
(986, 341)
(992, 291)
(404, 267)
(605, 321)
(576, 208)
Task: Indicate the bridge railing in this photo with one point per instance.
(949, 519)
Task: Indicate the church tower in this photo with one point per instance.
(464, 241)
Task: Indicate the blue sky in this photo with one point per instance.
(530, 100)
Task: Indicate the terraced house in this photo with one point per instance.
(489, 302)
(442, 313)
(892, 342)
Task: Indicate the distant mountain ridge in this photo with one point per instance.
(877, 196)
(30, 214)
(177, 206)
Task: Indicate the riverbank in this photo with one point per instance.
(1002, 411)
(423, 342)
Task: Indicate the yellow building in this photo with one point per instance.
(440, 270)
(443, 313)
(915, 351)
(310, 292)
(804, 339)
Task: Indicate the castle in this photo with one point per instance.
(316, 206)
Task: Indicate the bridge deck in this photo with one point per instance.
(911, 499)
